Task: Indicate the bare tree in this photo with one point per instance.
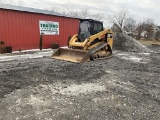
(139, 29)
(157, 35)
(149, 28)
(20, 3)
(83, 13)
(66, 10)
(54, 9)
(119, 18)
(97, 16)
(74, 14)
(145, 27)
(129, 25)
(11, 2)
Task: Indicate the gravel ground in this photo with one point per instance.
(123, 87)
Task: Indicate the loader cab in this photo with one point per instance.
(89, 27)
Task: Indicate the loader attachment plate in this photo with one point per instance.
(71, 55)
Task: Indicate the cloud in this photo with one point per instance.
(138, 9)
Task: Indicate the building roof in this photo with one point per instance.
(32, 10)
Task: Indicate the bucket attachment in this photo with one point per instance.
(71, 55)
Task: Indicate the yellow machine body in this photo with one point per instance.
(94, 46)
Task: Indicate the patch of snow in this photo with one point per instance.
(43, 53)
(33, 100)
(31, 50)
(74, 89)
(144, 53)
(140, 57)
(38, 96)
(124, 85)
(132, 58)
(40, 56)
(136, 59)
(64, 47)
(82, 89)
(25, 56)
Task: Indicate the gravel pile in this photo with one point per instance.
(126, 43)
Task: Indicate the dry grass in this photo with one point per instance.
(148, 42)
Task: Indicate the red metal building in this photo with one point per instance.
(19, 27)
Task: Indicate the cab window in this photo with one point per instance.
(97, 28)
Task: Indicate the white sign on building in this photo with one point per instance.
(49, 27)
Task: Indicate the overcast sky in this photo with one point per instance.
(138, 9)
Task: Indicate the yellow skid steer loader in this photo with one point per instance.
(92, 42)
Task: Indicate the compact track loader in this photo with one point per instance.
(92, 42)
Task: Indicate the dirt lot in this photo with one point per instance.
(124, 87)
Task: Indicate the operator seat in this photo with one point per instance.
(84, 31)
(83, 35)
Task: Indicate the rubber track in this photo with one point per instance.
(95, 49)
